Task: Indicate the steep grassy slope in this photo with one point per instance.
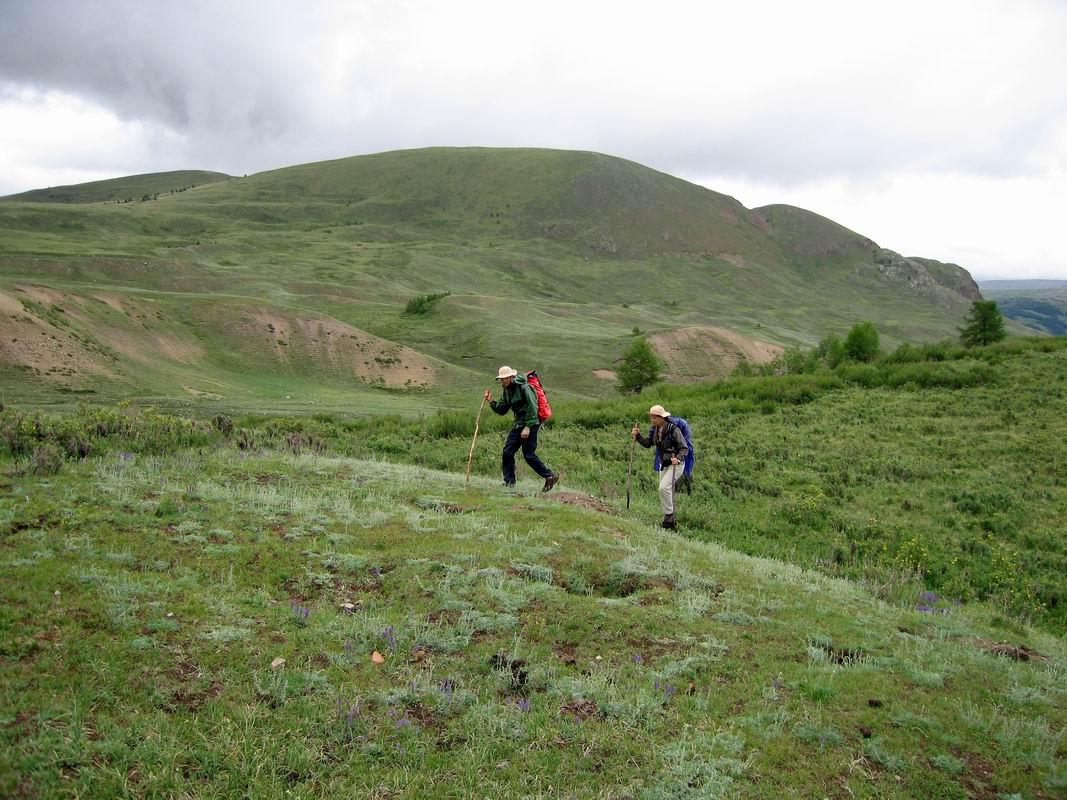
(120, 190)
(219, 623)
(552, 259)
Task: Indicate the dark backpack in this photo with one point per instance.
(544, 410)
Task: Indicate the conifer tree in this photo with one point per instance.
(983, 325)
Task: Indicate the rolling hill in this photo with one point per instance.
(286, 289)
(120, 190)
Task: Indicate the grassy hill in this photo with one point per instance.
(120, 190)
(546, 646)
(552, 259)
(1041, 305)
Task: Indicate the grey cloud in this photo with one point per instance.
(244, 86)
(185, 65)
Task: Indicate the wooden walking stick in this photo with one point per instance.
(629, 468)
(470, 455)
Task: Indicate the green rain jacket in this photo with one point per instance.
(520, 398)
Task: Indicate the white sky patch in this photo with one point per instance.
(54, 139)
(995, 227)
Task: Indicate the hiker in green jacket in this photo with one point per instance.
(518, 396)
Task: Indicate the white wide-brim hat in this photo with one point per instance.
(505, 372)
(659, 411)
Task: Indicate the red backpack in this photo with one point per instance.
(544, 410)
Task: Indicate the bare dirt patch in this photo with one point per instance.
(605, 374)
(113, 300)
(581, 501)
(63, 335)
(978, 777)
(27, 340)
(338, 347)
(580, 708)
(1019, 652)
(700, 352)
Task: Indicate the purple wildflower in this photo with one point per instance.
(777, 684)
(402, 723)
(668, 692)
(523, 704)
(376, 573)
(638, 658)
(924, 608)
(300, 613)
(348, 714)
(928, 597)
(390, 637)
(349, 647)
(448, 688)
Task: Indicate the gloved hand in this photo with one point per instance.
(525, 432)
(634, 431)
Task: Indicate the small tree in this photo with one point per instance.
(640, 367)
(861, 344)
(831, 349)
(983, 325)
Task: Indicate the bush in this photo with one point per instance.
(422, 304)
(223, 425)
(449, 424)
(831, 350)
(861, 344)
(47, 459)
(640, 367)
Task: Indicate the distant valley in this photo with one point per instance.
(1038, 304)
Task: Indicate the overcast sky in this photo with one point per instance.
(936, 128)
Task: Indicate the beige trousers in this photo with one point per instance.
(668, 477)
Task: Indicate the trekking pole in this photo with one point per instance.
(470, 455)
(629, 467)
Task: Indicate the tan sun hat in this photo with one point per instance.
(505, 372)
(659, 411)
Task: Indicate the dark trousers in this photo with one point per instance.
(529, 445)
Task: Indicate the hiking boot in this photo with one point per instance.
(668, 522)
(550, 481)
(509, 484)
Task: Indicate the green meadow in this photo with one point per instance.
(863, 598)
(239, 556)
(251, 294)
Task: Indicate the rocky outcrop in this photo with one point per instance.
(949, 285)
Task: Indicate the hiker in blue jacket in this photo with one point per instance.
(518, 397)
(671, 450)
